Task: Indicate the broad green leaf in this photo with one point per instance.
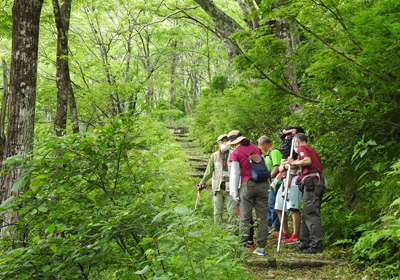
(184, 211)
(42, 208)
(7, 201)
(50, 229)
(372, 143)
(157, 218)
(146, 241)
(36, 239)
(20, 183)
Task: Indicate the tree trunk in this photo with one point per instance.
(3, 108)
(23, 74)
(64, 88)
(224, 25)
(290, 77)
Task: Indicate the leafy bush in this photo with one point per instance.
(105, 205)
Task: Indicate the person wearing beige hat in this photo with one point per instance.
(252, 194)
(218, 169)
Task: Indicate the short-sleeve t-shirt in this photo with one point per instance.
(316, 166)
(244, 160)
(276, 157)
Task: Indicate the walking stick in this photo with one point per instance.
(199, 189)
(197, 200)
(284, 198)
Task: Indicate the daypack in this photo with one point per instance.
(259, 170)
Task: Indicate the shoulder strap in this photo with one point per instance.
(242, 152)
(269, 153)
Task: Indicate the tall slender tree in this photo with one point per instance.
(65, 92)
(23, 74)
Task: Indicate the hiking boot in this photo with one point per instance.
(283, 237)
(302, 247)
(313, 250)
(251, 245)
(293, 239)
(259, 251)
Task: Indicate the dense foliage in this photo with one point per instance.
(346, 62)
(108, 205)
(111, 201)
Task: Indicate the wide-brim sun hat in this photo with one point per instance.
(222, 136)
(235, 137)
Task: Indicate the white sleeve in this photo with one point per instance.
(234, 179)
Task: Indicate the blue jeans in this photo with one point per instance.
(272, 216)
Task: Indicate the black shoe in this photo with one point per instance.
(251, 245)
(312, 250)
(302, 247)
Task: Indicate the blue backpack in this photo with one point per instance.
(259, 170)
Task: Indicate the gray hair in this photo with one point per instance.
(264, 140)
(301, 137)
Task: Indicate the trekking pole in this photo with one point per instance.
(284, 198)
(197, 200)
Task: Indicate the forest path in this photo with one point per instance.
(288, 263)
(198, 159)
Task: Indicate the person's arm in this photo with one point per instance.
(234, 180)
(208, 173)
(299, 162)
(293, 130)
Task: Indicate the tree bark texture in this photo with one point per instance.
(3, 107)
(65, 92)
(23, 74)
(224, 25)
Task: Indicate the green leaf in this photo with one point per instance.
(146, 241)
(45, 268)
(42, 208)
(18, 252)
(36, 239)
(20, 183)
(7, 201)
(182, 210)
(363, 152)
(157, 218)
(371, 143)
(50, 229)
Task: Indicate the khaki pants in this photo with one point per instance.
(220, 199)
(254, 195)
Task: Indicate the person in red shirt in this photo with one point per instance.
(252, 194)
(314, 188)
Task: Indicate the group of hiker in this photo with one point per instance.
(274, 183)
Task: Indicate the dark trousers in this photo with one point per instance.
(254, 195)
(311, 227)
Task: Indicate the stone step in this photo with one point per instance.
(178, 129)
(184, 139)
(198, 159)
(201, 167)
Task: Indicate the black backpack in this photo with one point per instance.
(259, 170)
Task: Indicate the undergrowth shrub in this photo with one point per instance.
(378, 248)
(108, 205)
